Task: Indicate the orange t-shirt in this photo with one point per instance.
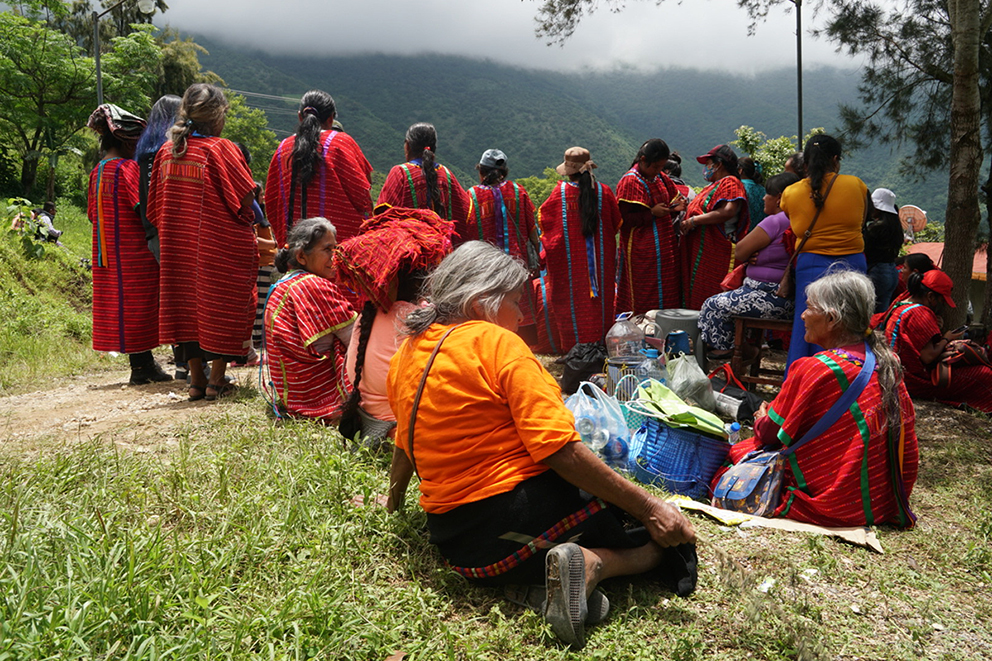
(838, 229)
(489, 414)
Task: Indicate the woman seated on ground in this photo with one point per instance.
(386, 263)
(500, 462)
(844, 476)
(767, 256)
(914, 329)
(308, 325)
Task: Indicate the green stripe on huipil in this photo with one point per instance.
(478, 211)
(413, 189)
(863, 431)
(447, 179)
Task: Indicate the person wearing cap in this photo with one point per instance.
(915, 330)
(714, 221)
(883, 239)
(423, 183)
(500, 212)
(578, 224)
(125, 272)
(319, 171)
(841, 201)
(649, 202)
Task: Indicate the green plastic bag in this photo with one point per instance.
(657, 399)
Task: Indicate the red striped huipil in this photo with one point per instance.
(301, 309)
(503, 215)
(707, 252)
(406, 186)
(841, 478)
(649, 256)
(209, 257)
(581, 271)
(339, 190)
(125, 273)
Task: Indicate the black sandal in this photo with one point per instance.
(220, 390)
(201, 392)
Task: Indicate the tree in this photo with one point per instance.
(247, 126)
(180, 64)
(922, 85)
(76, 20)
(772, 154)
(47, 88)
(539, 188)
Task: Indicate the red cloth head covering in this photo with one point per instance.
(395, 241)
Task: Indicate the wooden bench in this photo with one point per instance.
(755, 373)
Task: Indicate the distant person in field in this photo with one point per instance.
(578, 224)
(125, 273)
(423, 183)
(916, 330)
(883, 235)
(308, 324)
(160, 120)
(842, 201)
(386, 263)
(715, 220)
(500, 212)
(200, 199)
(649, 201)
(320, 171)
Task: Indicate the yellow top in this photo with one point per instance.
(838, 229)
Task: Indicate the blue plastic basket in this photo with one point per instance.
(680, 460)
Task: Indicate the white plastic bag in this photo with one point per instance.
(600, 423)
(689, 382)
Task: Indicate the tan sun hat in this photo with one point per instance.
(577, 159)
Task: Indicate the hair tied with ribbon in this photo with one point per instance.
(310, 110)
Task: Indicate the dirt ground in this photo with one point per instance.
(83, 407)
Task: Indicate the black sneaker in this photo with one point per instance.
(149, 374)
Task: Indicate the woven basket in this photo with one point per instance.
(680, 460)
(625, 392)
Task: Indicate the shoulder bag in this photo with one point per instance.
(787, 286)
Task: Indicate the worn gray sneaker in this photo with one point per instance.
(565, 581)
(534, 597)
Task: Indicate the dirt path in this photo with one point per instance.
(80, 409)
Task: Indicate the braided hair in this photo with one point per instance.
(202, 109)
(818, 156)
(421, 139)
(588, 202)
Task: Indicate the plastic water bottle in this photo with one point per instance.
(615, 453)
(733, 432)
(624, 337)
(585, 426)
(651, 367)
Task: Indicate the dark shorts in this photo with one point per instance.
(504, 539)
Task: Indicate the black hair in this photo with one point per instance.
(652, 151)
(316, 107)
(798, 164)
(421, 138)
(729, 161)
(819, 155)
(491, 176)
(588, 202)
(245, 152)
(160, 119)
(108, 142)
(748, 169)
(674, 165)
(918, 262)
(48, 206)
(408, 288)
(914, 283)
(777, 184)
(304, 236)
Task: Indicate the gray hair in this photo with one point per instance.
(848, 297)
(304, 236)
(475, 273)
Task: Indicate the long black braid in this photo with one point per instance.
(349, 412)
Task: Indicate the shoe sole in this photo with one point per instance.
(566, 608)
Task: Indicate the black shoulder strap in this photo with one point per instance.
(416, 398)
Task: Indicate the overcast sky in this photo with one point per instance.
(703, 34)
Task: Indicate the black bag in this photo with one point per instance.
(581, 362)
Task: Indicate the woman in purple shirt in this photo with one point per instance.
(767, 259)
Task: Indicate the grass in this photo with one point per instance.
(45, 305)
(243, 542)
(222, 535)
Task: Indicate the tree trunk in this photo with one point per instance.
(29, 175)
(965, 154)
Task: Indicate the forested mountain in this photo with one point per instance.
(534, 115)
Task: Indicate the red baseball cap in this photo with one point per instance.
(940, 283)
(721, 153)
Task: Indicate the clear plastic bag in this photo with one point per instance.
(689, 382)
(600, 423)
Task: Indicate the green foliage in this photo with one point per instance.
(247, 126)
(180, 64)
(130, 70)
(932, 233)
(539, 188)
(771, 154)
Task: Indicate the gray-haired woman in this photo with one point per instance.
(500, 463)
(861, 470)
(308, 323)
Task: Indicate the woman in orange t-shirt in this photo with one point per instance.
(500, 463)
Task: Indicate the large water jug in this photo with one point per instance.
(652, 367)
(624, 338)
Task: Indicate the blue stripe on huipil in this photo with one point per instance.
(657, 242)
(568, 259)
(117, 256)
